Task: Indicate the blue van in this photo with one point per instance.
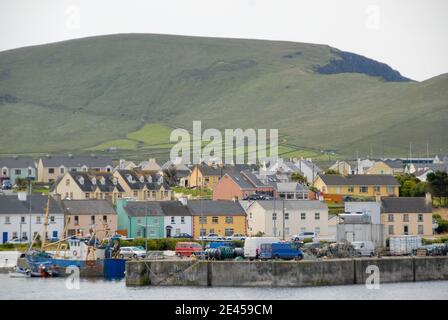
(280, 250)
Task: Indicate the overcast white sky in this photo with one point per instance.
(409, 35)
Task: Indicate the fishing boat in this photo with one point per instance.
(86, 253)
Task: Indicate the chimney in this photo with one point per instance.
(183, 201)
(428, 199)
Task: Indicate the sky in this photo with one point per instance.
(409, 35)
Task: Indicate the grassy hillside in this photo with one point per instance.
(102, 92)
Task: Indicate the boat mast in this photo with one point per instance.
(44, 227)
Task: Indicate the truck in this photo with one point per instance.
(252, 245)
(280, 250)
(404, 245)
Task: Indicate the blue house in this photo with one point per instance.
(17, 167)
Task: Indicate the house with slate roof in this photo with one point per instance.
(21, 218)
(153, 219)
(407, 216)
(83, 185)
(207, 176)
(52, 167)
(141, 185)
(17, 167)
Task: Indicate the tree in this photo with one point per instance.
(297, 177)
(411, 186)
(438, 186)
(21, 184)
(331, 172)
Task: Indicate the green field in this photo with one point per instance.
(129, 91)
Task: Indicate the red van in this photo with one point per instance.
(187, 249)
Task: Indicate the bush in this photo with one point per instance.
(443, 226)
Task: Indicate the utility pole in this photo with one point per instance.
(283, 213)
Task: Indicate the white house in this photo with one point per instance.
(177, 218)
(298, 216)
(24, 216)
(309, 169)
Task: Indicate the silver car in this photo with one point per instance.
(132, 252)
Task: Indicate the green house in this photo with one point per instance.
(140, 219)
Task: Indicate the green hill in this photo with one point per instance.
(99, 92)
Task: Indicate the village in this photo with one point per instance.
(363, 201)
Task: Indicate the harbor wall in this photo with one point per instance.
(284, 273)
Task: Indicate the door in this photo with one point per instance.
(55, 234)
(406, 230)
(5, 237)
(168, 232)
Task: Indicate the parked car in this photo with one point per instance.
(132, 252)
(18, 241)
(236, 236)
(280, 250)
(252, 245)
(182, 236)
(7, 185)
(211, 236)
(304, 235)
(364, 248)
(187, 249)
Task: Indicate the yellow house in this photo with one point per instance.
(407, 216)
(205, 176)
(82, 185)
(358, 185)
(380, 167)
(224, 217)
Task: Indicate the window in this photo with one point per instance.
(390, 217)
(24, 235)
(317, 230)
(76, 221)
(135, 194)
(30, 172)
(173, 220)
(202, 220)
(363, 189)
(67, 182)
(420, 217)
(14, 235)
(18, 172)
(286, 216)
(152, 232)
(391, 229)
(229, 220)
(139, 221)
(203, 232)
(420, 229)
(139, 233)
(52, 220)
(38, 220)
(228, 232)
(406, 229)
(351, 189)
(22, 219)
(274, 216)
(51, 170)
(7, 220)
(390, 190)
(182, 219)
(286, 231)
(87, 195)
(155, 220)
(212, 230)
(5, 172)
(61, 171)
(215, 219)
(317, 216)
(377, 189)
(405, 217)
(105, 219)
(303, 216)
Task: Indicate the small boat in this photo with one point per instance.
(20, 273)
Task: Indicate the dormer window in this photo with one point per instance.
(103, 181)
(149, 179)
(81, 180)
(93, 180)
(142, 178)
(115, 181)
(129, 178)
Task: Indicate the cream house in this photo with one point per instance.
(139, 185)
(288, 218)
(51, 167)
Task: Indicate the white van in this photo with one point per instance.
(252, 245)
(364, 248)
